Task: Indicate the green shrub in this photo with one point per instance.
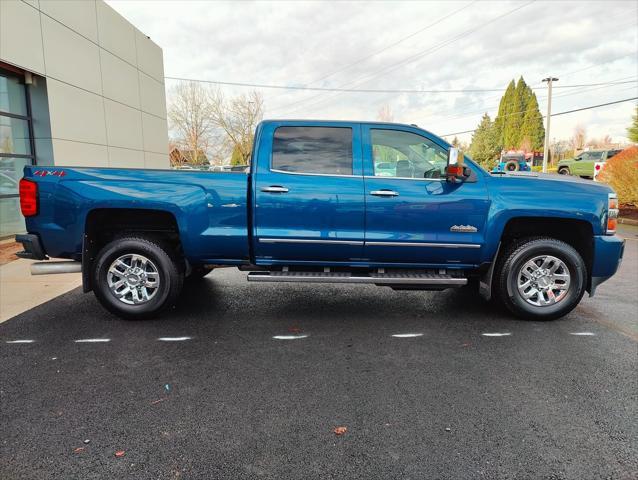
(539, 168)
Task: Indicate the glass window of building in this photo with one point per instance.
(16, 148)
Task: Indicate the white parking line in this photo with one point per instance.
(504, 334)
(289, 337)
(20, 341)
(93, 340)
(583, 334)
(174, 339)
(407, 335)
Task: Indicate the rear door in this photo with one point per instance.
(414, 216)
(308, 193)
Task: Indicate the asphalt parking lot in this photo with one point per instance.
(250, 380)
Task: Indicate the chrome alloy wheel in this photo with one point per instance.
(133, 279)
(544, 280)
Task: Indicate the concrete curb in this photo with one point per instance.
(628, 221)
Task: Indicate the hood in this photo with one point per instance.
(535, 180)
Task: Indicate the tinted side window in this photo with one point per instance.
(406, 155)
(592, 156)
(326, 150)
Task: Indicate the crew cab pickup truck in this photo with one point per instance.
(313, 208)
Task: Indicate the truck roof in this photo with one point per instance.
(344, 122)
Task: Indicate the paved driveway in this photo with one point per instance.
(209, 392)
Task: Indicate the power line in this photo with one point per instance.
(373, 90)
(407, 60)
(387, 47)
(464, 114)
(555, 114)
(414, 57)
(401, 40)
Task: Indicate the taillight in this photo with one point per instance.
(612, 213)
(28, 197)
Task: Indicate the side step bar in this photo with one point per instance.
(436, 280)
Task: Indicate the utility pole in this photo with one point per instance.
(549, 81)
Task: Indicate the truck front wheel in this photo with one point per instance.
(540, 278)
(136, 277)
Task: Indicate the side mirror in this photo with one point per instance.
(455, 171)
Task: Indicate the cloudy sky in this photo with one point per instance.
(427, 45)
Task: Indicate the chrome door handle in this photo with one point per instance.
(275, 189)
(384, 193)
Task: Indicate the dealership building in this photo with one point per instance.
(79, 86)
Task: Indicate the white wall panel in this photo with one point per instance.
(75, 113)
(115, 33)
(152, 95)
(123, 125)
(77, 15)
(149, 57)
(104, 87)
(119, 80)
(78, 154)
(155, 133)
(156, 160)
(70, 57)
(125, 158)
(20, 35)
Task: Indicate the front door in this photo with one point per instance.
(585, 166)
(309, 203)
(413, 215)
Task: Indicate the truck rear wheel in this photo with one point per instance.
(136, 277)
(540, 278)
(564, 171)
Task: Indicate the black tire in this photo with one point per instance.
(512, 166)
(509, 268)
(198, 272)
(167, 265)
(564, 171)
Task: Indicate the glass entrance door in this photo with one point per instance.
(16, 148)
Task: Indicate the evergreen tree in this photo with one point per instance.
(519, 122)
(532, 129)
(632, 131)
(237, 158)
(504, 110)
(514, 122)
(485, 147)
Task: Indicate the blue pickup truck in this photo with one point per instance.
(315, 207)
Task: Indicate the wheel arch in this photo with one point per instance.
(577, 233)
(102, 225)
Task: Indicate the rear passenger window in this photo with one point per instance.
(324, 150)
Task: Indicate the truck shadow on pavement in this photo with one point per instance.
(215, 301)
(215, 306)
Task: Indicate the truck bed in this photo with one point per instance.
(210, 208)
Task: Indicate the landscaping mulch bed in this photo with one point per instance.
(8, 251)
(628, 211)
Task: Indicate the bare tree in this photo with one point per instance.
(237, 117)
(385, 114)
(578, 138)
(604, 142)
(191, 122)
